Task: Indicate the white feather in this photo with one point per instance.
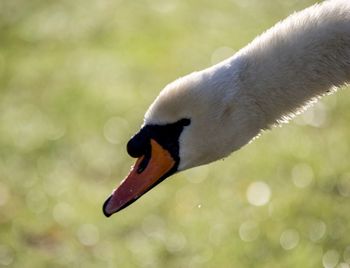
(277, 75)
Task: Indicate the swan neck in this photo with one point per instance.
(297, 61)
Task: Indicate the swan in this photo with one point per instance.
(206, 115)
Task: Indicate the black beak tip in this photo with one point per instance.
(104, 208)
(108, 214)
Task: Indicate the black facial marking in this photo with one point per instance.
(138, 145)
(144, 162)
(166, 135)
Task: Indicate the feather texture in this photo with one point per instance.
(277, 75)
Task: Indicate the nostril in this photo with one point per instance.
(137, 146)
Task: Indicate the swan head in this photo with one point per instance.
(194, 121)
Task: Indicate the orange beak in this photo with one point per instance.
(138, 182)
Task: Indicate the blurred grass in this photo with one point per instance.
(76, 78)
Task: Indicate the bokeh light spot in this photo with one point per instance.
(258, 193)
(197, 175)
(249, 231)
(175, 242)
(343, 185)
(153, 226)
(164, 6)
(217, 233)
(289, 239)
(63, 213)
(302, 175)
(346, 254)
(37, 201)
(315, 116)
(114, 129)
(88, 234)
(330, 259)
(317, 230)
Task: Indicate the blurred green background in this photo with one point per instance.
(75, 80)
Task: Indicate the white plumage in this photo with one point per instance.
(298, 60)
